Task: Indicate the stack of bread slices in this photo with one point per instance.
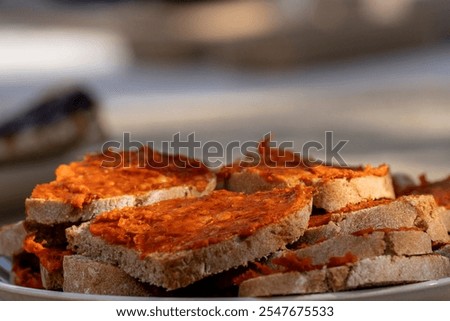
(122, 224)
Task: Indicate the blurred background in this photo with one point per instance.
(75, 74)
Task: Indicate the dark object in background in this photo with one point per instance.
(61, 121)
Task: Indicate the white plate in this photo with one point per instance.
(431, 290)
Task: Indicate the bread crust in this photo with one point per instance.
(407, 211)
(51, 212)
(335, 194)
(445, 217)
(178, 269)
(85, 275)
(364, 246)
(11, 238)
(444, 250)
(330, 195)
(370, 272)
(52, 280)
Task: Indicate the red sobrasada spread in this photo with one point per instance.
(26, 271)
(440, 190)
(187, 224)
(284, 167)
(310, 175)
(114, 174)
(51, 258)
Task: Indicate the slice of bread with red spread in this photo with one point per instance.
(174, 243)
(335, 187)
(98, 183)
(440, 191)
(110, 180)
(414, 211)
(370, 272)
(338, 245)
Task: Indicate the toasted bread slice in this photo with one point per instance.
(377, 271)
(419, 211)
(444, 250)
(342, 250)
(364, 244)
(100, 183)
(439, 189)
(85, 275)
(25, 271)
(115, 180)
(177, 242)
(11, 238)
(52, 279)
(335, 187)
(445, 217)
(88, 275)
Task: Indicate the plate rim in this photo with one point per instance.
(359, 294)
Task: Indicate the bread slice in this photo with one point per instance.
(444, 250)
(335, 187)
(445, 217)
(89, 276)
(11, 238)
(100, 183)
(440, 191)
(370, 272)
(312, 260)
(419, 211)
(110, 180)
(364, 245)
(85, 275)
(51, 279)
(350, 249)
(194, 238)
